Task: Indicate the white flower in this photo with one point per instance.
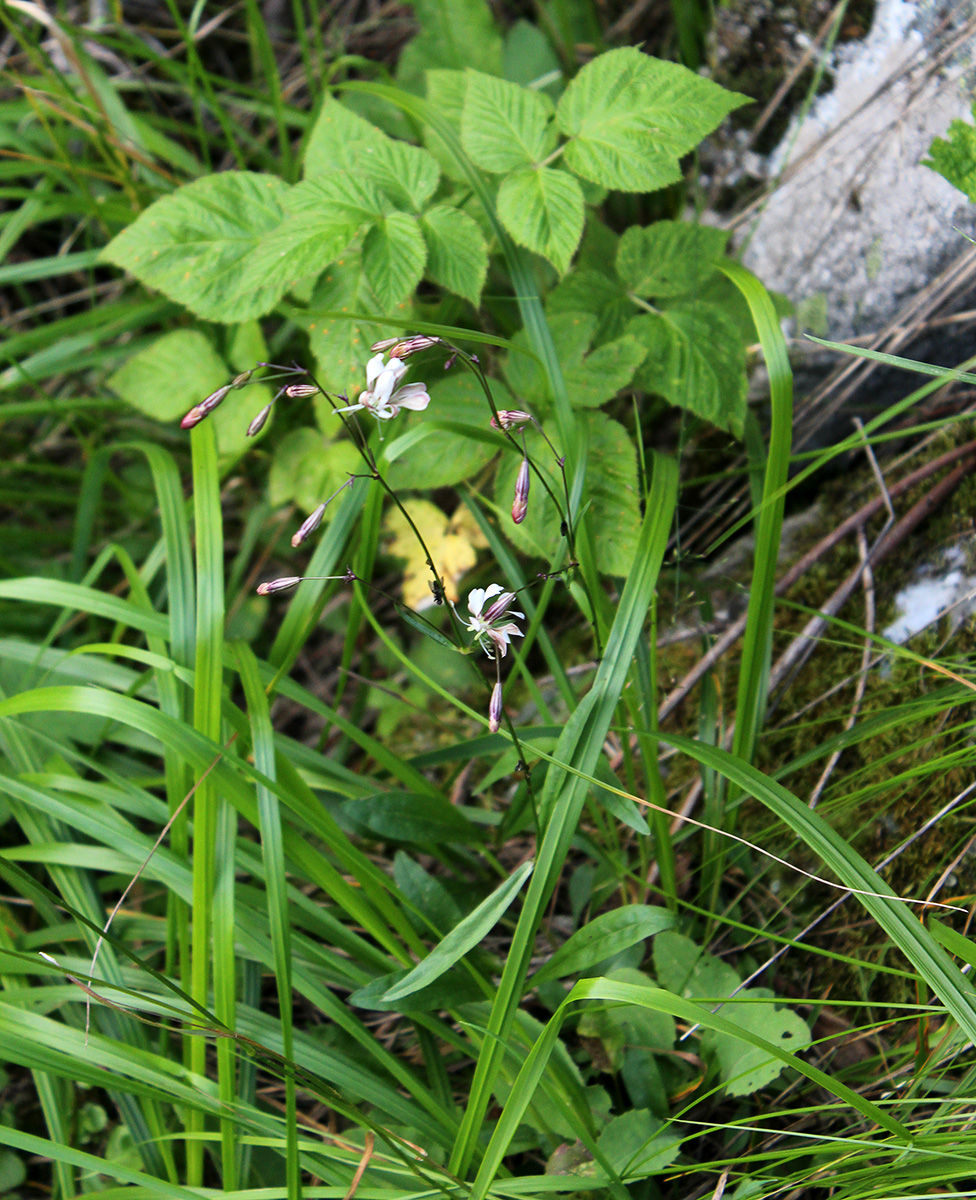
(380, 399)
(493, 637)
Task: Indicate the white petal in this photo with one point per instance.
(493, 589)
(352, 407)
(398, 367)
(383, 412)
(411, 395)
(373, 369)
(383, 388)
(476, 601)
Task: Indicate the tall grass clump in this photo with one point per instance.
(349, 429)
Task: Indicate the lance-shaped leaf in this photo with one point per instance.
(463, 937)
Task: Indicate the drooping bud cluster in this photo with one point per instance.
(403, 347)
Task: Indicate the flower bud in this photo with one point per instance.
(297, 391)
(510, 418)
(499, 608)
(278, 585)
(259, 421)
(205, 407)
(520, 504)
(413, 345)
(240, 380)
(384, 344)
(308, 526)
(495, 708)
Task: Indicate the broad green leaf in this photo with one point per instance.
(604, 936)
(336, 138)
(669, 258)
(588, 290)
(684, 968)
(614, 512)
(445, 93)
(453, 34)
(399, 816)
(463, 937)
(308, 467)
(954, 157)
(590, 378)
(341, 345)
(638, 1144)
(457, 256)
(394, 256)
(744, 1067)
(425, 892)
(631, 117)
(528, 57)
(179, 370)
(407, 175)
(542, 208)
(505, 126)
(443, 457)
(696, 360)
(194, 245)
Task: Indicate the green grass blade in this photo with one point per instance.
(561, 803)
(273, 854)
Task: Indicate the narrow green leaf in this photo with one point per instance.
(542, 208)
(604, 936)
(410, 817)
(463, 937)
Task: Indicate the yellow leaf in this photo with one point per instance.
(453, 543)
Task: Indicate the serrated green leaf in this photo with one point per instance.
(445, 93)
(954, 157)
(394, 257)
(177, 371)
(591, 378)
(463, 937)
(342, 346)
(696, 360)
(542, 208)
(611, 475)
(669, 258)
(589, 290)
(194, 245)
(504, 126)
(457, 255)
(443, 458)
(407, 175)
(308, 467)
(604, 936)
(631, 117)
(336, 138)
(454, 34)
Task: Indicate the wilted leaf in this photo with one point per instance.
(453, 543)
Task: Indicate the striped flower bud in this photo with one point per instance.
(259, 421)
(297, 391)
(384, 344)
(205, 407)
(495, 708)
(308, 526)
(510, 418)
(520, 504)
(413, 345)
(278, 585)
(240, 380)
